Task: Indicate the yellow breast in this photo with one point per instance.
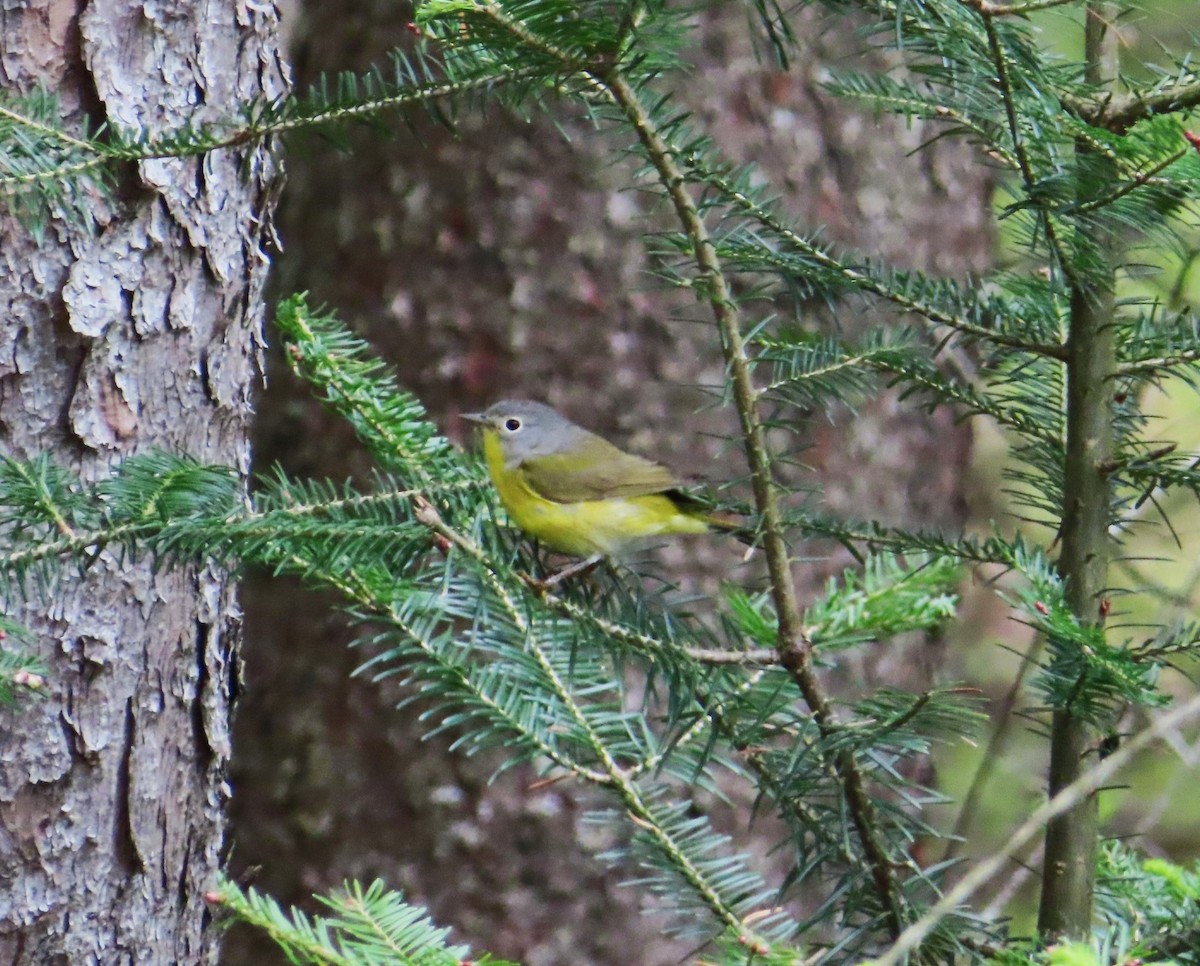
(589, 526)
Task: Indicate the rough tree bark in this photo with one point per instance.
(141, 330)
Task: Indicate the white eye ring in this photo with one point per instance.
(512, 424)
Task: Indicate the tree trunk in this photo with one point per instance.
(140, 330)
(504, 260)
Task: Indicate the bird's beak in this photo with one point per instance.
(474, 418)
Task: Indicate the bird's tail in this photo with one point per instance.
(740, 527)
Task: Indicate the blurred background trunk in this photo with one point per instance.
(502, 260)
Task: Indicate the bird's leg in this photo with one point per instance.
(579, 567)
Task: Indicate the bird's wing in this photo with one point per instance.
(595, 470)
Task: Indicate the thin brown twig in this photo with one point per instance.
(1145, 366)
(1119, 112)
(1026, 869)
(759, 656)
(992, 754)
(990, 9)
(1082, 787)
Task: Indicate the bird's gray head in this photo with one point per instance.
(528, 429)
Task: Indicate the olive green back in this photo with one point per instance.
(592, 468)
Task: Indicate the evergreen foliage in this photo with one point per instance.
(619, 687)
(366, 927)
(21, 673)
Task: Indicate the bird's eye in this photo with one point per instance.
(512, 424)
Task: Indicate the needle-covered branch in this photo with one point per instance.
(794, 646)
(1120, 111)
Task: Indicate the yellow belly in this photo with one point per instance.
(591, 526)
(600, 526)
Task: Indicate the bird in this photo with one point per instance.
(574, 491)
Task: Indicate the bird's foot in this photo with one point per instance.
(574, 570)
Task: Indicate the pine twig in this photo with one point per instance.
(611, 775)
(794, 647)
(990, 9)
(863, 280)
(1028, 178)
(1119, 112)
(214, 138)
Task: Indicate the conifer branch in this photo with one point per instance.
(880, 538)
(20, 559)
(22, 672)
(251, 524)
(794, 647)
(368, 925)
(12, 184)
(1119, 112)
(654, 646)
(267, 122)
(755, 657)
(1028, 176)
(651, 763)
(49, 130)
(801, 360)
(611, 775)
(1137, 180)
(44, 501)
(358, 590)
(1148, 367)
(864, 281)
(756, 760)
(990, 9)
(903, 101)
